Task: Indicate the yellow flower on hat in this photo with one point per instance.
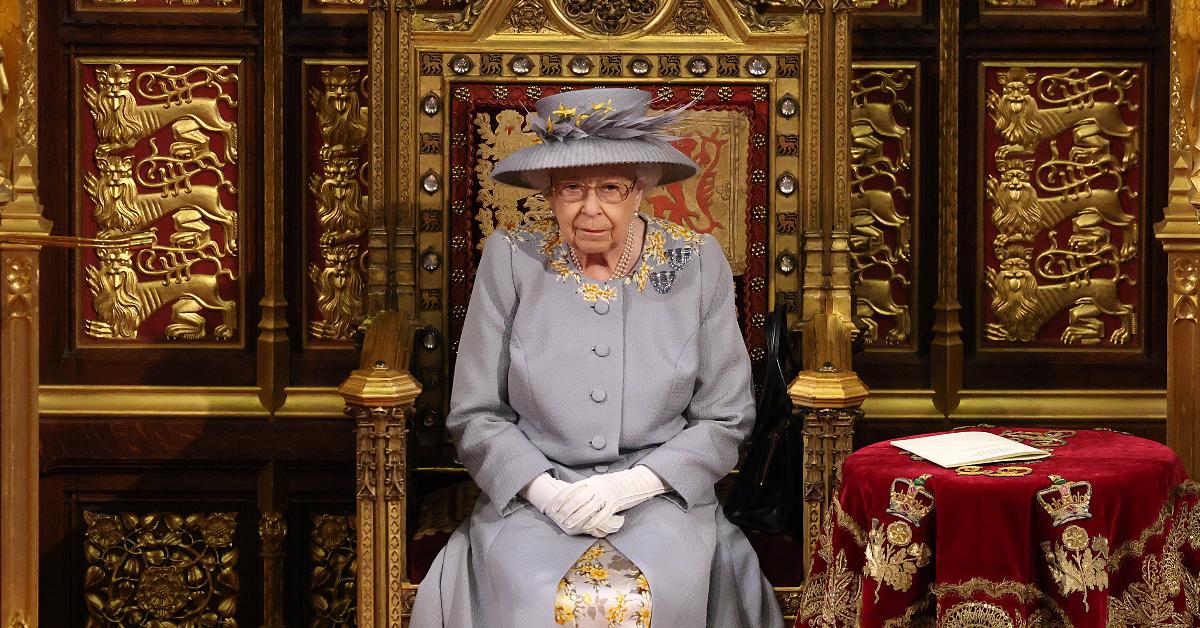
(564, 112)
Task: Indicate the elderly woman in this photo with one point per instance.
(602, 388)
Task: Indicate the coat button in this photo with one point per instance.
(598, 395)
(600, 468)
(601, 307)
(601, 350)
(598, 442)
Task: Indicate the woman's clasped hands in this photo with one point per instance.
(590, 506)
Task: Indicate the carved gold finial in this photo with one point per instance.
(1066, 501)
(910, 499)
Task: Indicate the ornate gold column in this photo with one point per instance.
(391, 274)
(829, 399)
(20, 216)
(1179, 233)
(379, 400)
(828, 395)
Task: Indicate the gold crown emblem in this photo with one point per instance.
(910, 499)
(1066, 501)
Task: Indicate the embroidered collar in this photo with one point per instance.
(667, 248)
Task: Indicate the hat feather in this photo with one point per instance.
(608, 123)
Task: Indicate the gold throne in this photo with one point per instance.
(769, 80)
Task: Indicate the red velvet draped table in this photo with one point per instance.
(1106, 532)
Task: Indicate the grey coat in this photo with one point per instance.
(554, 374)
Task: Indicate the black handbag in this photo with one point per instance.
(767, 494)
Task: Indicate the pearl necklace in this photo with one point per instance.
(622, 262)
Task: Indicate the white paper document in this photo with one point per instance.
(969, 448)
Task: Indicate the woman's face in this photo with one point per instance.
(594, 205)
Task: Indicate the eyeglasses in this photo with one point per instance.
(607, 191)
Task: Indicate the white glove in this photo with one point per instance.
(543, 490)
(614, 492)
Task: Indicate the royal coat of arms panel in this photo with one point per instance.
(158, 174)
(1062, 205)
(725, 132)
(335, 209)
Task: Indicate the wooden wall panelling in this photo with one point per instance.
(904, 41)
(192, 248)
(151, 538)
(184, 466)
(1084, 33)
(1072, 345)
(318, 182)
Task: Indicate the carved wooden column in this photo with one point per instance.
(20, 217)
(272, 532)
(828, 395)
(947, 349)
(829, 399)
(379, 400)
(1179, 233)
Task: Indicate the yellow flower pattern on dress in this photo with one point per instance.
(659, 235)
(603, 589)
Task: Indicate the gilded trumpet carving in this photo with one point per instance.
(136, 181)
(1060, 154)
(332, 589)
(337, 191)
(880, 202)
(160, 569)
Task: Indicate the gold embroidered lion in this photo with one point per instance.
(342, 121)
(121, 121)
(123, 303)
(339, 209)
(499, 205)
(339, 288)
(1023, 307)
(1018, 211)
(1020, 120)
(120, 210)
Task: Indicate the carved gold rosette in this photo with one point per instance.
(883, 199)
(160, 569)
(1061, 204)
(336, 221)
(157, 153)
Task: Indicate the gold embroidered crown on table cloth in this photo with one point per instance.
(910, 500)
(1066, 501)
(668, 249)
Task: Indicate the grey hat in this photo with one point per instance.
(597, 127)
